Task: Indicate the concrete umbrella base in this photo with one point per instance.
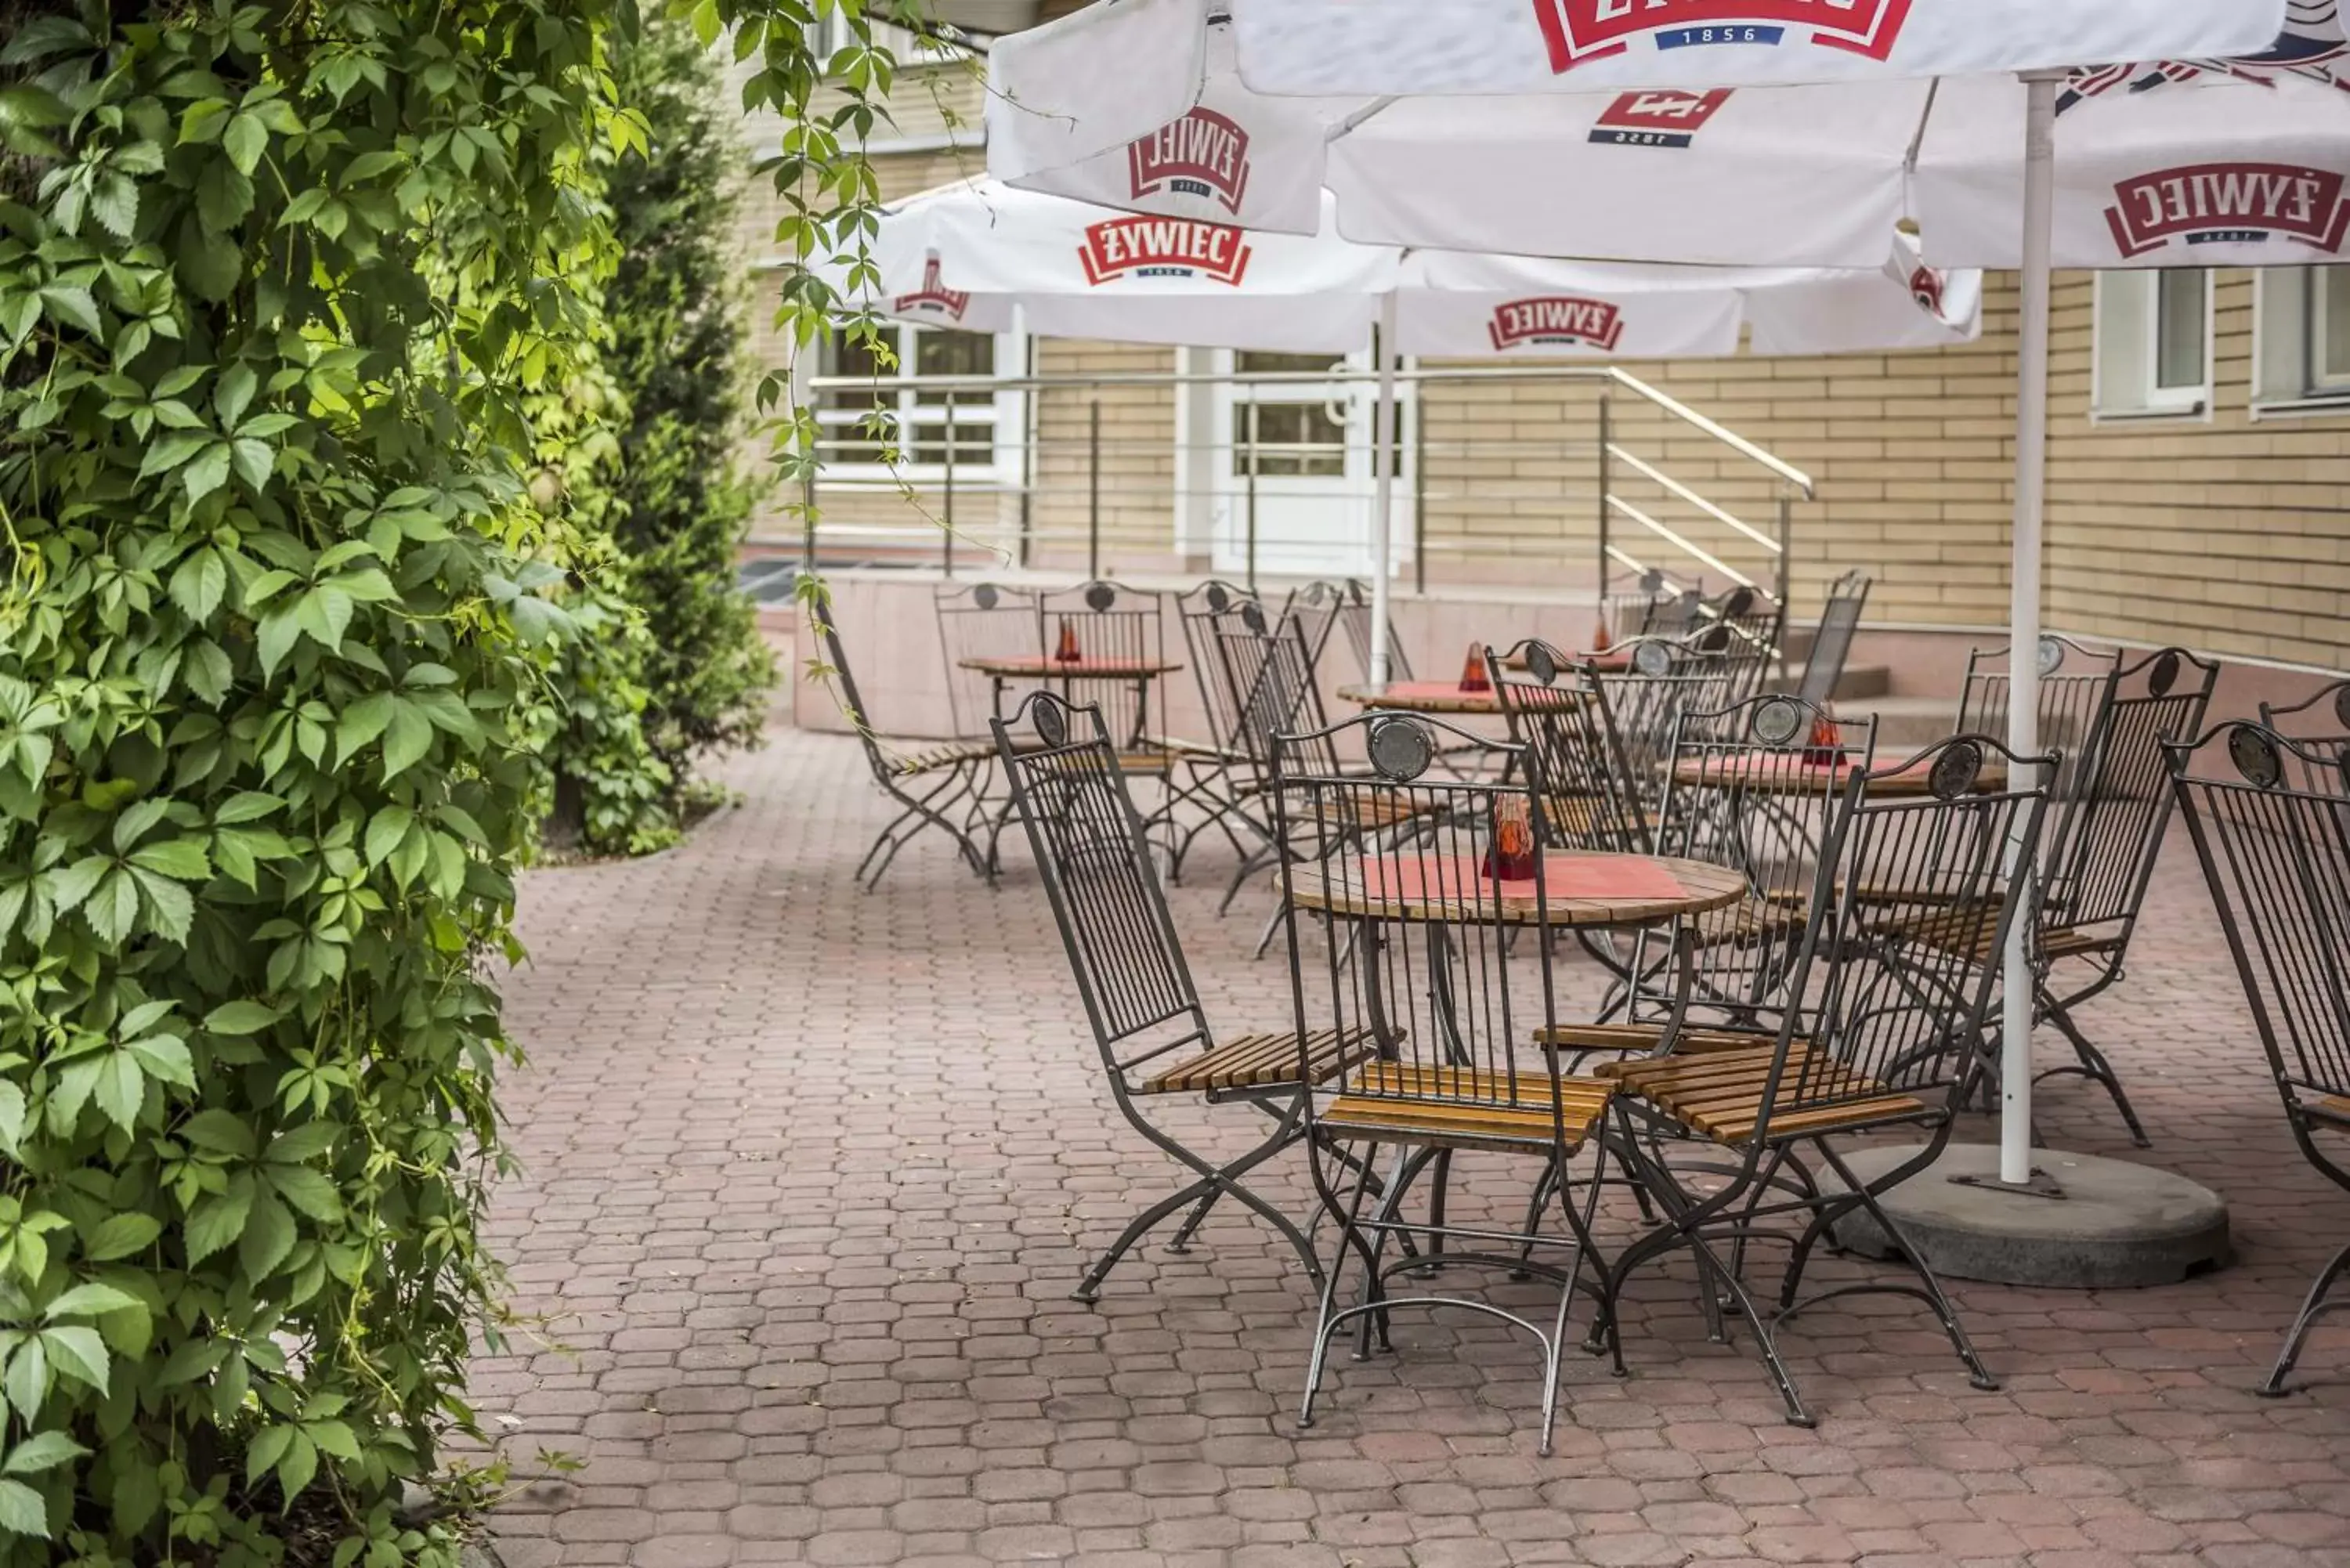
(2116, 1224)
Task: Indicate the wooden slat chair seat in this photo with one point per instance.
(1578, 818)
(1643, 1039)
(1974, 932)
(1262, 1061)
(1720, 1095)
(1752, 922)
(1385, 1112)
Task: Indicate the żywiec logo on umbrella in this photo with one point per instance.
(933, 298)
(2217, 203)
(1163, 247)
(1657, 119)
(1926, 286)
(1555, 320)
(1202, 154)
(1579, 31)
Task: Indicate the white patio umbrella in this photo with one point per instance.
(1107, 76)
(971, 253)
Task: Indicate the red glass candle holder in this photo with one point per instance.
(1826, 748)
(1472, 674)
(1600, 641)
(1068, 652)
(1510, 858)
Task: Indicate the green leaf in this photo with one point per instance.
(220, 1132)
(12, 1117)
(207, 671)
(170, 908)
(26, 1381)
(406, 739)
(310, 1191)
(362, 721)
(89, 1300)
(22, 1511)
(210, 264)
(136, 818)
(78, 1352)
(384, 834)
(111, 909)
(279, 631)
(224, 195)
(233, 393)
(165, 1056)
(325, 612)
(120, 1235)
(198, 585)
(207, 472)
(244, 140)
(72, 304)
(247, 807)
(243, 1017)
(181, 858)
(41, 1451)
(268, 1236)
(254, 461)
(268, 1445)
(217, 1220)
(121, 1089)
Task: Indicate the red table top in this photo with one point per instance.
(1036, 666)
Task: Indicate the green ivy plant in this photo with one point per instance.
(276, 284)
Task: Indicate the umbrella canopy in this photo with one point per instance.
(1789, 175)
(966, 254)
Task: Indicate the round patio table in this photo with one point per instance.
(1580, 890)
(1614, 661)
(1898, 784)
(1422, 697)
(1004, 670)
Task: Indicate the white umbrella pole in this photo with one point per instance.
(2024, 654)
(1383, 443)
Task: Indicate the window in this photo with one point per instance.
(2302, 357)
(1288, 426)
(2153, 344)
(978, 423)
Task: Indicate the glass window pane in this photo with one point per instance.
(843, 357)
(1294, 439)
(942, 353)
(1248, 362)
(2329, 301)
(2179, 329)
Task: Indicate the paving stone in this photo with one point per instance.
(807, 1174)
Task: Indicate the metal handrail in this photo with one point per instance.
(976, 461)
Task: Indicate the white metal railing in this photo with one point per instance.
(1502, 468)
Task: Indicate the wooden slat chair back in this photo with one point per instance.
(2277, 859)
(2319, 727)
(1880, 1031)
(1560, 715)
(1412, 942)
(938, 787)
(1094, 855)
(1831, 649)
(985, 620)
(1108, 624)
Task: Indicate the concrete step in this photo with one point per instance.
(1859, 683)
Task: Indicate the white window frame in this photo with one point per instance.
(2288, 323)
(1003, 412)
(906, 46)
(2122, 369)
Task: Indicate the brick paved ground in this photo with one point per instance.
(809, 1174)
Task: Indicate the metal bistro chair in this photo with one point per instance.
(2318, 725)
(1273, 686)
(1224, 778)
(1122, 632)
(1559, 714)
(1831, 647)
(1416, 954)
(985, 621)
(1355, 616)
(2276, 855)
(1757, 786)
(1756, 625)
(1878, 1035)
(1315, 606)
(1094, 855)
(2103, 856)
(2077, 682)
(941, 786)
(1660, 680)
